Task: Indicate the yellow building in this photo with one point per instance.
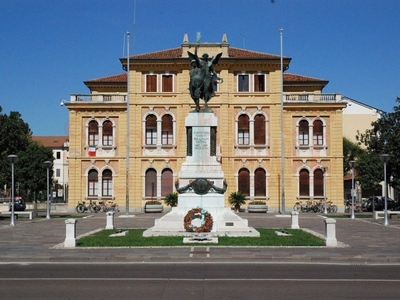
(249, 135)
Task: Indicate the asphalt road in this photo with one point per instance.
(198, 281)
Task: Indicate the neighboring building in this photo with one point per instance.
(60, 147)
(248, 107)
(358, 116)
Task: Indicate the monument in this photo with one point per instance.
(201, 184)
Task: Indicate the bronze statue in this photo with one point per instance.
(202, 77)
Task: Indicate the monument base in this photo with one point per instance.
(225, 223)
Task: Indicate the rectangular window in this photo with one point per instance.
(107, 187)
(243, 83)
(151, 137)
(166, 137)
(303, 138)
(151, 83)
(58, 154)
(58, 172)
(93, 139)
(93, 188)
(167, 83)
(243, 137)
(259, 83)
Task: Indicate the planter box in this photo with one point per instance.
(257, 208)
(153, 208)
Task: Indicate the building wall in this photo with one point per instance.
(226, 104)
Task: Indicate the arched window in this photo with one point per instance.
(151, 184)
(259, 130)
(244, 182)
(303, 133)
(93, 183)
(318, 182)
(151, 130)
(318, 132)
(107, 183)
(93, 133)
(107, 133)
(243, 130)
(259, 183)
(304, 184)
(167, 184)
(167, 130)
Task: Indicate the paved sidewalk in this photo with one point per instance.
(365, 240)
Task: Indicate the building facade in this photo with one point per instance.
(60, 148)
(142, 112)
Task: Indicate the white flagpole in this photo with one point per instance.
(282, 132)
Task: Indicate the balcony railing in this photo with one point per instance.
(98, 98)
(313, 97)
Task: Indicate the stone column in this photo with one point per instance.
(295, 219)
(330, 233)
(70, 237)
(110, 220)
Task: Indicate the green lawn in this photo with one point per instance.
(135, 238)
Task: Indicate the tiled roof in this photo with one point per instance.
(113, 78)
(51, 141)
(232, 52)
(288, 77)
(163, 54)
(242, 53)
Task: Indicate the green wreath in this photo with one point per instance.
(207, 221)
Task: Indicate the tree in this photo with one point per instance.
(16, 138)
(32, 172)
(368, 168)
(383, 138)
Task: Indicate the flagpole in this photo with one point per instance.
(127, 127)
(282, 132)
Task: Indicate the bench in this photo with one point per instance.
(377, 213)
(29, 213)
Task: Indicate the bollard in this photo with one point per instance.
(330, 233)
(295, 220)
(70, 237)
(110, 220)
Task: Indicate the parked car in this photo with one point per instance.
(379, 204)
(19, 204)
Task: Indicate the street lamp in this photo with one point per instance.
(324, 169)
(48, 164)
(352, 165)
(385, 159)
(12, 158)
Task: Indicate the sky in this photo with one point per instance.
(48, 48)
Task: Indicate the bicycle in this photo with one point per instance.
(109, 206)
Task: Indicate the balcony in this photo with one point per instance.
(303, 97)
(114, 98)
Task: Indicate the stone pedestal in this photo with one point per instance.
(201, 184)
(70, 233)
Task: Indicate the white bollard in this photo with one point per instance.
(70, 236)
(295, 220)
(110, 220)
(330, 233)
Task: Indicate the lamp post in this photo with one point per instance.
(324, 169)
(12, 158)
(352, 165)
(385, 159)
(48, 164)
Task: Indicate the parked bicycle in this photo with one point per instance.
(91, 207)
(109, 206)
(348, 207)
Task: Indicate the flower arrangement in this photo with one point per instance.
(153, 202)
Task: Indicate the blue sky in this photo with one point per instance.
(48, 48)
